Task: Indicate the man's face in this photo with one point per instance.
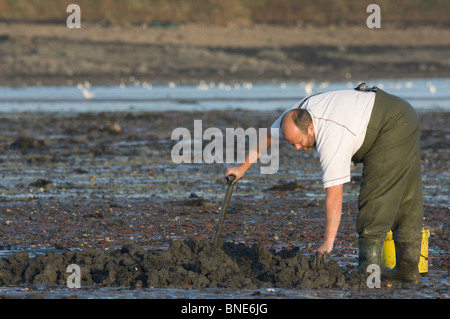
(297, 137)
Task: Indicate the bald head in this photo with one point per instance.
(298, 129)
(299, 117)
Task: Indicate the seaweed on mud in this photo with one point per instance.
(186, 263)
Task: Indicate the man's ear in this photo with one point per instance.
(311, 129)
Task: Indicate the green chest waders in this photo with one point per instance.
(391, 187)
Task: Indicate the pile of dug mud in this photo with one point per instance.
(185, 264)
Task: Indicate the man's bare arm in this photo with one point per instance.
(333, 209)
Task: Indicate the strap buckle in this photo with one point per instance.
(362, 87)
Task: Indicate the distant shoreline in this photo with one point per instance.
(49, 54)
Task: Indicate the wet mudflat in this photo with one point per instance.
(100, 190)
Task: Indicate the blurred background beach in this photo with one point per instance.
(192, 40)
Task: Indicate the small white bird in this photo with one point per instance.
(172, 84)
(202, 86)
(248, 85)
(146, 85)
(431, 87)
(324, 85)
(88, 95)
(309, 88)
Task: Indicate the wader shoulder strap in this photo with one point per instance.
(362, 87)
(306, 99)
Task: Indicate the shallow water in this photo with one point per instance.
(424, 94)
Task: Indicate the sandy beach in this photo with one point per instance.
(52, 54)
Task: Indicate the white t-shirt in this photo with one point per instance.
(340, 120)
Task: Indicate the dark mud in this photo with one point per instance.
(101, 191)
(186, 264)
